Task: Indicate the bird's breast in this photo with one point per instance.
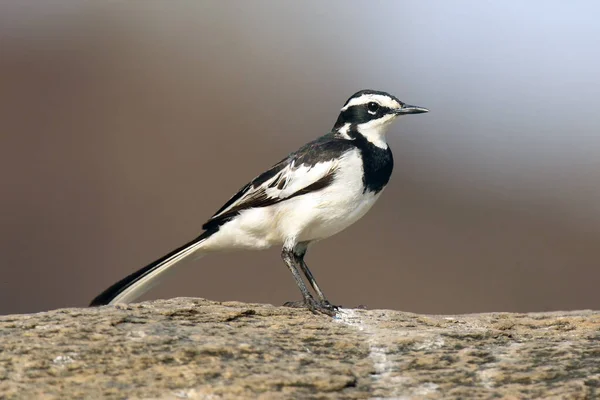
(378, 164)
(339, 205)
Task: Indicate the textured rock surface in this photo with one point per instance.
(197, 349)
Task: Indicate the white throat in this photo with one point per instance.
(375, 131)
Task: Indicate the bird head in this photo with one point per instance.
(370, 113)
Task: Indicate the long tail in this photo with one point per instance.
(133, 286)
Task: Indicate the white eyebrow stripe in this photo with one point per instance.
(366, 98)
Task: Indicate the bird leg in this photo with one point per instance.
(299, 253)
(308, 300)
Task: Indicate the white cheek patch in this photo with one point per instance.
(376, 129)
(384, 101)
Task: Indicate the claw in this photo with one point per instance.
(327, 304)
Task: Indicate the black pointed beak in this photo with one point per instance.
(408, 109)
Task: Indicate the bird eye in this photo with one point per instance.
(372, 107)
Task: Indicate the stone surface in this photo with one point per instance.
(198, 349)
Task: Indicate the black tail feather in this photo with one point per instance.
(113, 291)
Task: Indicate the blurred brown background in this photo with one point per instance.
(125, 126)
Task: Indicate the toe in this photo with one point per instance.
(314, 306)
(294, 304)
(331, 306)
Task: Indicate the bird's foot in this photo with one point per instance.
(326, 303)
(313, 305)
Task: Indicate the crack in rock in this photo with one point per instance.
(386, 375)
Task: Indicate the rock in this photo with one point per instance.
(198, 349)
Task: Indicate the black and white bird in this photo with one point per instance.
(313, 193)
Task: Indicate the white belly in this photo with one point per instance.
(312, 216)
(328, 213)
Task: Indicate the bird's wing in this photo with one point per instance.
(298, 174)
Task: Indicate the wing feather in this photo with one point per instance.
(298, 174)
